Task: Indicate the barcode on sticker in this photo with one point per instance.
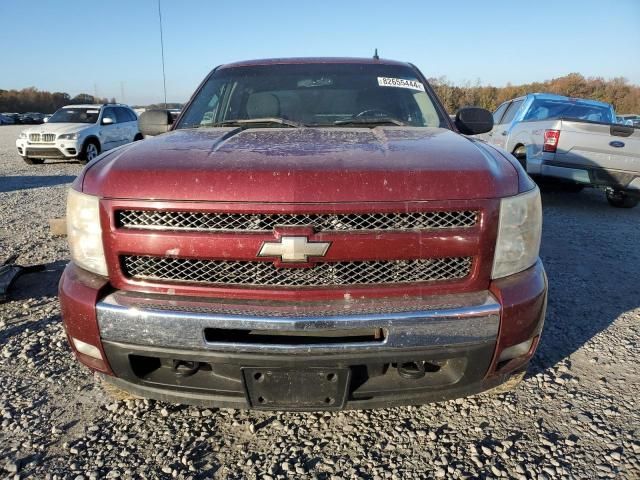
(400, 83)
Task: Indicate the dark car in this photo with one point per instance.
(14, 116)
(32, 118)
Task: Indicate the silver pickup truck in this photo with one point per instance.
(574, 140)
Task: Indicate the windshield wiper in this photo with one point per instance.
(371, 121)
(255, 121)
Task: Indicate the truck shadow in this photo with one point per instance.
(25, 182)
(591, 255)
(37, 284)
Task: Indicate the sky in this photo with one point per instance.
(113, 47)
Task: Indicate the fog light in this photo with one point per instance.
(87, 349)
(516, 350)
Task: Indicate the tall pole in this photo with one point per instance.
(164, 78)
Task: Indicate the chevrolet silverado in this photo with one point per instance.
(308, 234)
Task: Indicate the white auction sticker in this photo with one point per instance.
(400, 83)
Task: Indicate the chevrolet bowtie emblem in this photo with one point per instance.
(294, 249)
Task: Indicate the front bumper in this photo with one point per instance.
(144, 340)
(60, 149)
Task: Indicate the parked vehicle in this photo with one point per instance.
(14, 116)
(574, 140)
(5, 120)
(31, 118)
(631, 120)
(26, 119)
(79, 131)
(311, 234)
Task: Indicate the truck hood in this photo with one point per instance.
(301, 165)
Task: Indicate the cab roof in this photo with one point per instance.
(313, 60)
(83, 105)
(96, 105)
(554, 96)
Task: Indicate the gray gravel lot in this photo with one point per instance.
(576, 415)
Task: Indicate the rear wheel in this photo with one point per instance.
(520, 153)
(90, 150)
(138, 137)
(620, 199)
(33, 161)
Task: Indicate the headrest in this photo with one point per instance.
(262, 105)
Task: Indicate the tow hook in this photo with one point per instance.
(412, 370)
(185, 368)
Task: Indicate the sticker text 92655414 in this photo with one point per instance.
(400, 83)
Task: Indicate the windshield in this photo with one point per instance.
(548, 109)
(327, 94)
(75, 115)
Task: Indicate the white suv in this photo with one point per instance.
(79, 131)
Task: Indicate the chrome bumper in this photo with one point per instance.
(407, 324)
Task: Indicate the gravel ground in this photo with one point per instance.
(576, 415)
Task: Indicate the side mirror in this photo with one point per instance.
(107, 121)
(473, 120)
(155, 122)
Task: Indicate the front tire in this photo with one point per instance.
(33, 161)
(620, 199)
(138, 137)
(90, 150)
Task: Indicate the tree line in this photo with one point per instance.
(623, 96)
(617, 91)
(161, 106)
(33, 100)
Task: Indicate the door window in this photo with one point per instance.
(109, 113)
(132, 115)
(497, 115)
(511, 111)
(122, 115)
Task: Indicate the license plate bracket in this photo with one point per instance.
(311, 388)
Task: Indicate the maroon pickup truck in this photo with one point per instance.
(309, 234)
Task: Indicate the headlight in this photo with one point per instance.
(84, 232)
(23, 135)
(519, 234)
(68, 136)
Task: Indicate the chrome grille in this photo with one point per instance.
(205, 221)
(42, 138)
(320, 275)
